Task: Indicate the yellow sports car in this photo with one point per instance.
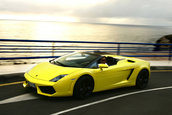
(82, 73)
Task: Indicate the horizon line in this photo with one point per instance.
(85, 22)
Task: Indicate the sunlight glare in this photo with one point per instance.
(40, 17)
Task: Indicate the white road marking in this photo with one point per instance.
(19, 98)
(111, 98)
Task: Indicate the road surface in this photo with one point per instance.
(154, 100)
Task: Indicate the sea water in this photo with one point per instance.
(35, 30)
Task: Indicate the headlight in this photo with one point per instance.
(58, 78)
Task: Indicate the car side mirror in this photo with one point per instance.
(101, 66)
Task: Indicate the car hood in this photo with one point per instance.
(47, 71)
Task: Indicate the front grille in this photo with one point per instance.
(47, 89)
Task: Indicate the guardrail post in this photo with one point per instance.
(118, 49)
(170, 53)
(53, 48)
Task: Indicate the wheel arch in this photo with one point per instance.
(145, 68)
(88, 75)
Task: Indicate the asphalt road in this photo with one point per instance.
(154, 100)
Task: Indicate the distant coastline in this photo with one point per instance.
(133, 25)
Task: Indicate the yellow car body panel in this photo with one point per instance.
(47, 71)
(123, 74)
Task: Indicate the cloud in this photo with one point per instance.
(21, 6)
(136, 11)
(130, 8)
(147, 11)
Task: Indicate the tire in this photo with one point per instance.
(142, 79)
(83, 87)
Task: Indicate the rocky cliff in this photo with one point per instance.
(167, 39)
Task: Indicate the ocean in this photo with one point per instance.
(39, 30)
(35, 30)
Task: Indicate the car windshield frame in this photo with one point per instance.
(77, 59)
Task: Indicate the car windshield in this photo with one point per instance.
(81, 60)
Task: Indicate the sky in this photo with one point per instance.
(137, 12)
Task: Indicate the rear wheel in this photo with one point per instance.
(142, 79)
(83, 87)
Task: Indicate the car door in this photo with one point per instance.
(113, 76)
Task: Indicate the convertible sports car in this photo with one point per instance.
(82, 73)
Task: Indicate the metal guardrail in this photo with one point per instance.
(17, 48)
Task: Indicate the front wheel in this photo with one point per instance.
(142, 79)
(83, 87)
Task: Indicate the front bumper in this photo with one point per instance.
(47, 88)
